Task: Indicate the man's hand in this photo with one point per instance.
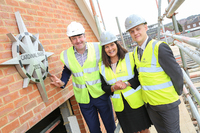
(119, 85)
(56, 81)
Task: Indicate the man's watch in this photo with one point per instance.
(126, 83)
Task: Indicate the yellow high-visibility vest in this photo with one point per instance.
(87, 77)
(124, 72)
(157, 87)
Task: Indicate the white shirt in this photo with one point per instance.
(143, 46)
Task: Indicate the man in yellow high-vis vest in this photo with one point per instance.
(81, 61)
(160, 76)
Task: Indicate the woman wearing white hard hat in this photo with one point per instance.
(119, 79)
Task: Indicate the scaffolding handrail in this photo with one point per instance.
(174, 7)
(192, 41)
(192, 105)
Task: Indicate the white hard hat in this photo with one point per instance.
(107, 37)
(134, 20)
(74, 29)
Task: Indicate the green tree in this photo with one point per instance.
(180, 28)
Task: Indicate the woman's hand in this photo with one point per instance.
(119, 85)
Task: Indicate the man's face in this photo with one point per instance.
(78, 42)
(138, 33)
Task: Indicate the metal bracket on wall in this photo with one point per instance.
(29, 57)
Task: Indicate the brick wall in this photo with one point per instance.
(21, 108)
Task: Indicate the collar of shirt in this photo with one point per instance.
(86, 50)
(144, 44)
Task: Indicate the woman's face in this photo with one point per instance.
(111, 49)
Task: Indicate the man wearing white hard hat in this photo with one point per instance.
(81, 61)
(160, 76)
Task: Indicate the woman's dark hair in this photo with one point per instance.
(120, 52)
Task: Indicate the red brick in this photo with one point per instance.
(31, 12)
(35, 120)
(10, 97)
(34, 94)
(7, 46)
(6, 109)
(13, 30)
(24, 4)
(6, 80)
(39, 100)
(42, 30)
(21, 10)
(10, 22)
(39, 108)
(41, 13)
(1, 102)
(62, 100)
(3, 121)
(45, 42)
(23, 128)
(49, 15)
(45, 4)
(11, 126)
(6, 8)
(30, 105)
(26, 117)
(4, 38)
(44, 9)
(32, 30)
(9, 70)
(17, 77)
(4, 55)
(45, 112)
(28, 18)
(12, 2)
(26, 90)
(1, 23)
(16, 113)
(3, 30)
(16, 86)
(37, 2)
(55, 105)
(58, 95)
(51, 93)
(50, 101)
(35, 7)
(4, 91)
(20, 102)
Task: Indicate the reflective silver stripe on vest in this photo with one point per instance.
(78, 85)
(93, 82)
(78, 74)
(115, 96)
(158, 87)
(90, 70)
(96, 48)
(128, 64)
(153, 67)
(103, 71)
(123, 78)
(128, 93)
(66, 59)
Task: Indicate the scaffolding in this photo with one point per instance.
(190, 60)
